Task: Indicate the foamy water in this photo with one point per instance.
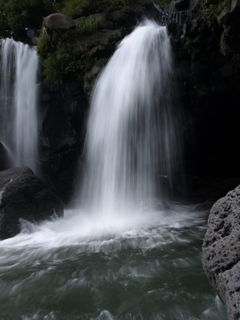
(121, 254)
(91, 267)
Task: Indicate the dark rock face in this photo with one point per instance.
(221, 251)
(23, 195)
(64, 104)
(206, 64)
(179, 5)
(207, 61)
(63, 118)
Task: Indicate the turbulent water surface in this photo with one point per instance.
(122, 254)
(141, 266)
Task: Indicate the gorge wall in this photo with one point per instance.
(206, 46)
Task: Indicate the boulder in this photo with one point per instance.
(55, 24)
(221, 251)
(24, 196)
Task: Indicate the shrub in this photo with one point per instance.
(63, 60)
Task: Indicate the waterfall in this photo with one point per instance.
(132, 140)
(19, 97)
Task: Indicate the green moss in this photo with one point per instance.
(67, 58)
(210, 11)
(190, 42)
(88, 25)
(63, 60)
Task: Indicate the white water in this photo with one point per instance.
(143, 264)
(19, 99)
(132, 137)
(143, 267)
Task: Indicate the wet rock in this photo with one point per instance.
(24, 196)
(221, 251)
(62, 123)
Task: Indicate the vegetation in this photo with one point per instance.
(68, 7)
(88, 25)
(190, 42)
(210, 11)
(16, 16)
(65, 59)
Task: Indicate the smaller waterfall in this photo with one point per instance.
(19, 97)
(132, 136)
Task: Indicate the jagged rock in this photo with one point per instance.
(24, 196)
(55, 24)
(221, 251)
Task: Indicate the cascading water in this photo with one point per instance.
(132, 134)
(19, 97)
(141, 265)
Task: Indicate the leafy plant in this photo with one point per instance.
(88, 25)
(63, 60)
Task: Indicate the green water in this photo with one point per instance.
(128, 268)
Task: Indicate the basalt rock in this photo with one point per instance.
(179, 5)
(55, 24)
(205, 40)
(24, 196)
(209, 55)
(64, 110)
(65, 103)
(221, 251)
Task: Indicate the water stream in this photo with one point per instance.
(125, 252)
(19, 101)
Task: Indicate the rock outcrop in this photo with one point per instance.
(65, 103)
(206, 63)
(64, 110)
(24, 196)
(221, 251)
(55, 24)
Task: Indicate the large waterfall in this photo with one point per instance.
(141, 265)
(132, 137)
(19, 99)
